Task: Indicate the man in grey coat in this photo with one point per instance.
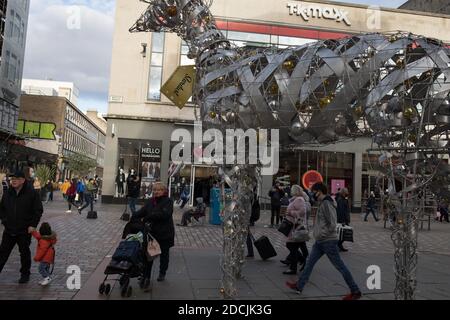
(326, 243)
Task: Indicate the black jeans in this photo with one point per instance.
(370, 210)
(275, 214)
(71, 201)
(163, 261)
(186, 218)
(295, 256)
(444, 215)
(7, 245)
(183, 202)
(250, 244)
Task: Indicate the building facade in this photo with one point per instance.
(67, 90)
(13, 30)
(55, 126)
(139, 115)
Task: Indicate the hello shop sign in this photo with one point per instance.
(314, 11)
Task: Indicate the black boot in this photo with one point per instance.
(24, 278)
(161, 277)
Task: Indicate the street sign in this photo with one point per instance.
(180, 86)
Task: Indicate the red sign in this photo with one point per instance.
(310, 178)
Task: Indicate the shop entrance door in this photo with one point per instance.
(202, 181)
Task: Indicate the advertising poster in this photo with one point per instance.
(150, 155)
(337, 184)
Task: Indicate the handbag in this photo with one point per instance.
(286, 227)
(153, 248)
(345, 233)
(301, 234)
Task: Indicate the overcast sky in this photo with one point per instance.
(83, 55)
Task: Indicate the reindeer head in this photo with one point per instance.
(171, 16)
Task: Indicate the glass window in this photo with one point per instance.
(293, 41)
(6, 69)
(156, 63)
(249, 37)
(157, 59)
(184, 60)
(142, 157)
(158, 42)
(154, 90)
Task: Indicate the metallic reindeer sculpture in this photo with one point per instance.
(394, 88)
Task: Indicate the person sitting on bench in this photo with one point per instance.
(196, 213)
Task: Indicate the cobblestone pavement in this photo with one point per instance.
(81, 242)
(194, 268)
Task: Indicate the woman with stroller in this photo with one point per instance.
(157, 216)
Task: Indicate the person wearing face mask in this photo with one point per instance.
(326, 238)
(157, 213)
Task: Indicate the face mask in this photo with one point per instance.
(315, 197)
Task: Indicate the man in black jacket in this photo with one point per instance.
(20, 212)
(134, 188)
(275, 195)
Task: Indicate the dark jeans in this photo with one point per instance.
(329, 248)
(7, 245)
(80, 199)
(294, 255)
(89, 198)
(49, 196)
(71, 201)
(250, 244)
(444, 215)
(163, 261)
(370, 210)
(183, 202)
(132, 203)
(187, 216)
(275, 214)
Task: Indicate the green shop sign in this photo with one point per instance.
(38, 130)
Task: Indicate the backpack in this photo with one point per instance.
(256, 211)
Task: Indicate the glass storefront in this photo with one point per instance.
(336, 168)
(141, 157)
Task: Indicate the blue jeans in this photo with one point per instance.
(132, 204)
(44, 269)
(330, 248)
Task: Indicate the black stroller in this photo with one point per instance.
(128, 261)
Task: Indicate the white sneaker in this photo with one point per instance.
(69, 211)
(46, 281)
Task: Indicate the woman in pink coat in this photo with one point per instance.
(296, 213)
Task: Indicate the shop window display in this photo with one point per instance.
(140, 158)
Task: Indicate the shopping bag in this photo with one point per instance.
(77, 197)
(153, 248)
